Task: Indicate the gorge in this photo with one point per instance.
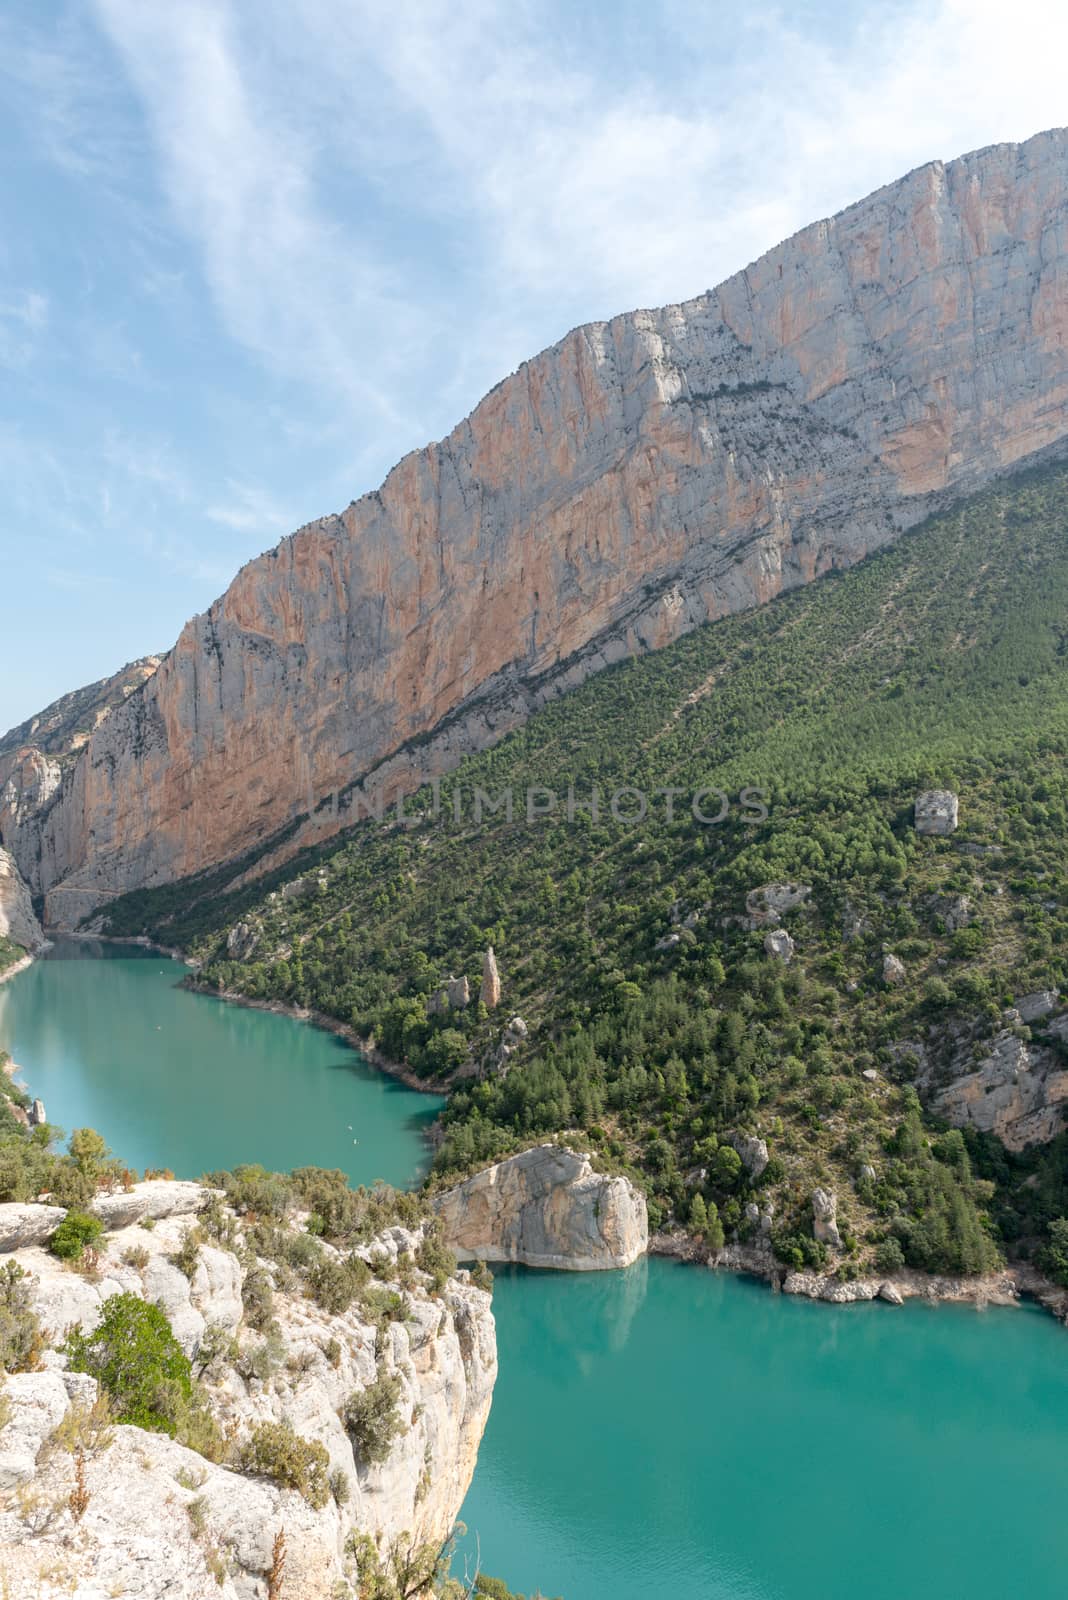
(684, 1388)
(638, 478)
(806, 537)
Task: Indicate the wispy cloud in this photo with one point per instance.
(23, 319)
(317, 155)
(289, 281)
(249, 509)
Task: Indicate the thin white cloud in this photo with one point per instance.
(290, 282)
(251, 510)
(23, 320)
(316, 157)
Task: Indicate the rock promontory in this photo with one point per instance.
(384, 1389)
(546, 1207)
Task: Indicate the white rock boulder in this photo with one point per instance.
(937, 811)
(825, 1218)
(546, 1207)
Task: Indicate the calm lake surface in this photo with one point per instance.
(658, 1434)
(107, 1039)
(669, 1433)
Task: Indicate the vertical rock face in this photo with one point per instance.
(490, 993)
(17, 920)
(137, 1536)
(825, 1218)
(641, 476)
(1018, 1089)
(546, 1208)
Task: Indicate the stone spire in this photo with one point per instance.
(490, 993)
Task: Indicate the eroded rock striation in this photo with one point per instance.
(641, 476)
(546, 1207)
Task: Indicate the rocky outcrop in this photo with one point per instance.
(546, 1208)
(138, 1536)
(1017, 1090)
(242, 941)
(754, 1154)
(953, 911)
(937, 811)
(643, 475)
(17, 919)
(512, 1037)
(766, 906)
(28, 1224)
(779, 944)
(1033, 1007)
(893, 971)
(490, 992)
(825, 1218)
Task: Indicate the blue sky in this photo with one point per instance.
(255, 250)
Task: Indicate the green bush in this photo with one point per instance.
(274, 1451)
(372, 1418)
(434, 1257)
(20, 1331)
(257, 1298)
(335, 1284)
(77, 1231)
(1053, 1257)
(889, 1256)
(135, 1357)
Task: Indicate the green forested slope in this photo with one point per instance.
(942, 662)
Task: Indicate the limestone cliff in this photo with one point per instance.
(637, 478)
(17, 919)
(162, 1519)
(35, 755)
(546, 1208)
(1018, 1086)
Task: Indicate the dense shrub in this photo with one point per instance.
(335, 1284)
(274, 1451)
(134, 1355)
(372, 1418)
(20, 1332)
(75, 1232)
(1053, 1258)
(434, 1257)
(889, 1256)
(257, 1297)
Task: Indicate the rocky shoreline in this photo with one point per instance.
(15, 968)
(1017, 1281)
(319, 1019)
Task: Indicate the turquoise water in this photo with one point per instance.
(657, 1434)
(106, 1038)
(668, 1433)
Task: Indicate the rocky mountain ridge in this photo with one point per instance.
(640, 477)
